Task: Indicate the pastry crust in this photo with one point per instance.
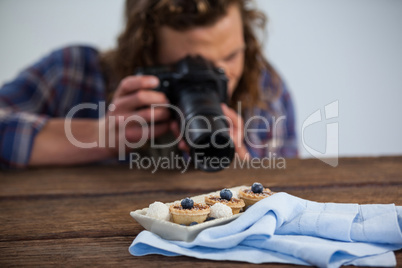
(198, 213)
(250, 198)
(234, 203)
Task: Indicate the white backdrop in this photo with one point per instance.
(326, 51)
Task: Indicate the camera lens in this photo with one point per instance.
(212, 151)
(206, 130)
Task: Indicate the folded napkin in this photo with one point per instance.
(287, 229)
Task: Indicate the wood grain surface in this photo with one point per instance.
(79, 216)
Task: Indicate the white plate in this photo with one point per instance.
(173, 231)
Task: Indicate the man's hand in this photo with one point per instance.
(236, 124)
(134, 96)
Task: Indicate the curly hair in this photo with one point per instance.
(137, 44)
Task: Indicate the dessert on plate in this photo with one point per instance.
(225, 197)
(220, 210)
(253, 194)
(158, 210)
(187, 212)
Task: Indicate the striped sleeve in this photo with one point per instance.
(47, 89)
(22, 116)
(17, 132)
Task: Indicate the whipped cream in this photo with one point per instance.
(158, 210)
(220, 210)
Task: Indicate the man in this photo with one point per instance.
(33, 107)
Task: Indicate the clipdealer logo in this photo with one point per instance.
(115, 138)
(331, 154)
(176, 162)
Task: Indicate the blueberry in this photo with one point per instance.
(226, 194)
(193, 223)
(210, 219)
(187, 203)
(257, 188)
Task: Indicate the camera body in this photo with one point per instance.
(197, 88)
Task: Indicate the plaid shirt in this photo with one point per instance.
(271, 133)
(72, 75)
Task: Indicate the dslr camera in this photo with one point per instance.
(197, 88)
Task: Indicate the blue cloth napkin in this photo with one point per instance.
(287, 229)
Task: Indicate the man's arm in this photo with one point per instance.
(52, 147)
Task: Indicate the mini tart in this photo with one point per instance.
(198, 213)
(235, 204)
(250, 198)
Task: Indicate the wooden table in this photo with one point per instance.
(80, 215)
